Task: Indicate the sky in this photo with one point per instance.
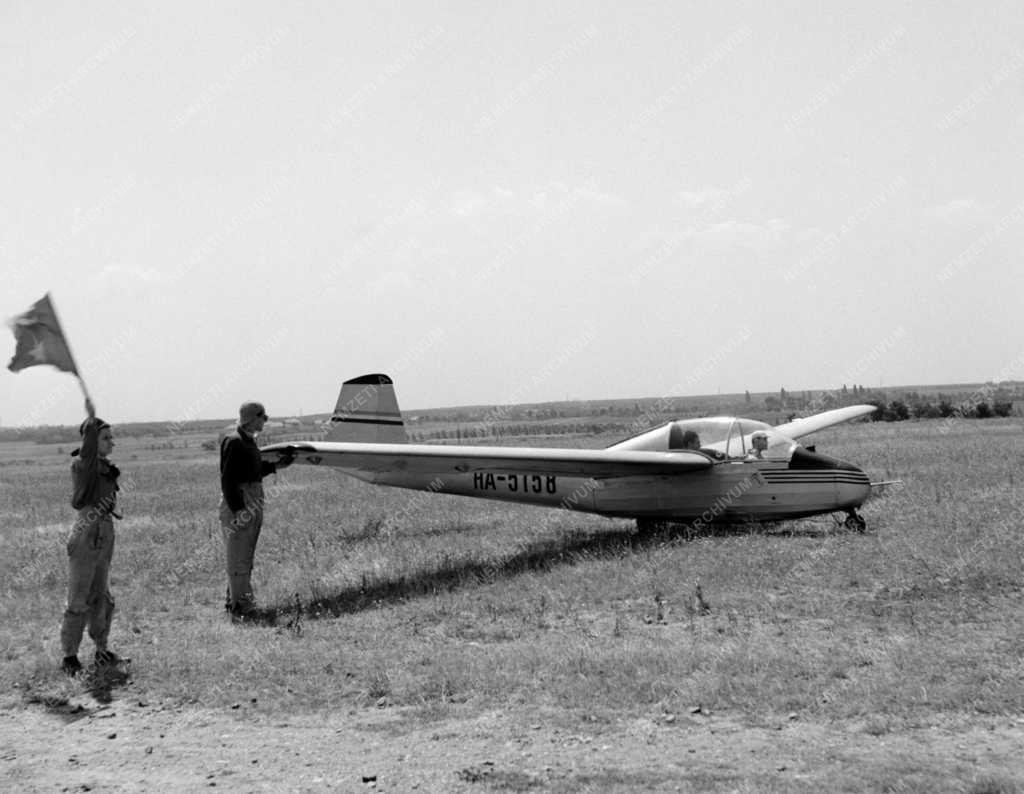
(507, 202)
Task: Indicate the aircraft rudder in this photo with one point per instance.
(367, 411)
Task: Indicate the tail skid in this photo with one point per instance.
(367, 411)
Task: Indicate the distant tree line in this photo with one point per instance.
(911, 408)
(598, 417)
(475, 432)
(986, 402)
(504, 413)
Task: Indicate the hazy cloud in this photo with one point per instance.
(744, 233)
(391, 281)
(135, 273)
(557, 193)
(959, 210)
(701, 199)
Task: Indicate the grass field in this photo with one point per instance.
(441, 606)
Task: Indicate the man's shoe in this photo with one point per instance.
(106, 658)
(70, 665)
(244, 613)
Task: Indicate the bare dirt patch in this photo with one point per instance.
(129, 745)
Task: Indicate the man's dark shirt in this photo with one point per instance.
(94, 479)
(240, 462)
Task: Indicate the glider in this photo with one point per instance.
(716, 470)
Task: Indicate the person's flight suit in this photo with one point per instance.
(90, 545)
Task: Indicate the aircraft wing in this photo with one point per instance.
(439, 458)
(810, 424)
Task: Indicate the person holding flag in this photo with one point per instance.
(40, 340)
(91, 544)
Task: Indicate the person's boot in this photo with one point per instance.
(239, 592)
(70, 665)
(106, 658)
(244, 612)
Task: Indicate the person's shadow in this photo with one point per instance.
(101, 680)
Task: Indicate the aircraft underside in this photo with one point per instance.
(728, 492)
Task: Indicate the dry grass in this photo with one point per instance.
(383, 598)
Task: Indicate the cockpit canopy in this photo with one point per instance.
(721, 437)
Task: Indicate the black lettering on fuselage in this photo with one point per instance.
(516, 483)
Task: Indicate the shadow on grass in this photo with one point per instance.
(542, 555)
(98, 680)
(101, 680)
(57, 705)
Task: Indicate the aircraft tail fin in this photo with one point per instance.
(367, 411)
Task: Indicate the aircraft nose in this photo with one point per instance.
(852, 485)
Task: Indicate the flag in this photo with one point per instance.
(39, 339)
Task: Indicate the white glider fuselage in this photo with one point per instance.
(717, 470)
(679, 485)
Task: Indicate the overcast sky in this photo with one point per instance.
(508, 202)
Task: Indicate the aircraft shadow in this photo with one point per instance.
(539, 556)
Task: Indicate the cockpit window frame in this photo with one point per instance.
(735, 432)
(721, 438)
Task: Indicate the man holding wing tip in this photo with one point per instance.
(241, 509)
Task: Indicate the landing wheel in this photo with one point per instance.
(855, 521)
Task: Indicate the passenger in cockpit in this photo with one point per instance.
(678, 439)
(758, 445)
(691, 440)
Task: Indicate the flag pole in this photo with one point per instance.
(85, 391)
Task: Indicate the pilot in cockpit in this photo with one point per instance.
(691, 440)
(758, 445)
